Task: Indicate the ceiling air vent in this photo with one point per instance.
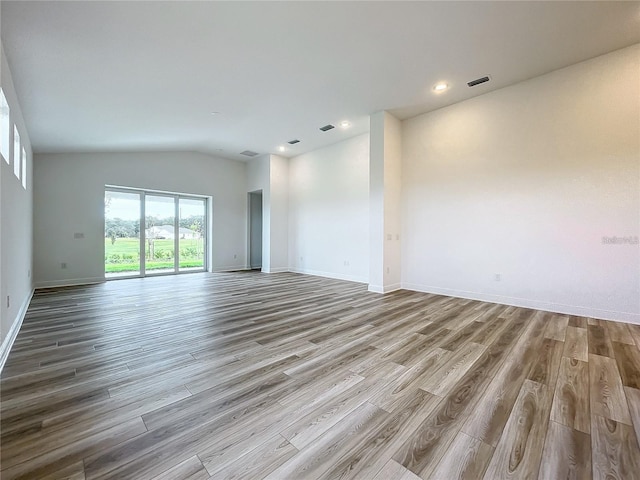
(478, 81)
(293, 142)
(249, 153)
(327, 128)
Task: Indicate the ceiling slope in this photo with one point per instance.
(147, 76)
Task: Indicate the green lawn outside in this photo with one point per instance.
(135, 267)
(124, 255)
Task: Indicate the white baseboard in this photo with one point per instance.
(627, 317)
(337, 276)
(7, 343)
(274, 270)
(392, 288)
(277, 270)
(70, 282)
(230, 268)
(385, 288)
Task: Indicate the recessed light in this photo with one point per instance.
(440, 87)
(281, 148)
(345, 124)
(215, 113)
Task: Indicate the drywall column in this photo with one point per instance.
(279, 215)
(270, 173)
(259, 178)
(385, 203)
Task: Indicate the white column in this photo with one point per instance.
(279, 214)
(270, 173)
(385, 224)
(259, 178)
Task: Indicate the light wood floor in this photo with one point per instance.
(248, 375)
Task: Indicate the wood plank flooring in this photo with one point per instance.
(284, 376)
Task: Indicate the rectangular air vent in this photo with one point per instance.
(293, 142)
(327, 128)
(249, 153)
(478, 81)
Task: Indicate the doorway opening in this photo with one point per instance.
(255, 230)
(153, 233)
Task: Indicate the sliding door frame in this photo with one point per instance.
(176, 226)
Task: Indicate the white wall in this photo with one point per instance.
(69, 198)
(16, 220)
(525, 182)
(329, 211)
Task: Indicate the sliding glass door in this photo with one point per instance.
(154, 233)
(122, 233)
(191, 240)
(160, 234)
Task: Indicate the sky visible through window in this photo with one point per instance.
(24, 168)
(4, 127)
(123, 206)
(16, 152)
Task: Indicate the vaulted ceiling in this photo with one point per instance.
(148, 76)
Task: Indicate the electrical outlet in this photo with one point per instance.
(387, 269)
(63, 265)
(497, 277)
(8, 301)
(235, 256)
(78, 235)
(29, 273)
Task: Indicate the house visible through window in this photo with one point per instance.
(150, 233)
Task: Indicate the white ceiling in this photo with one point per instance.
(135, 76)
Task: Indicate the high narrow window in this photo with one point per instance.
(24, 168)
(5, 129)
(16, 152)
